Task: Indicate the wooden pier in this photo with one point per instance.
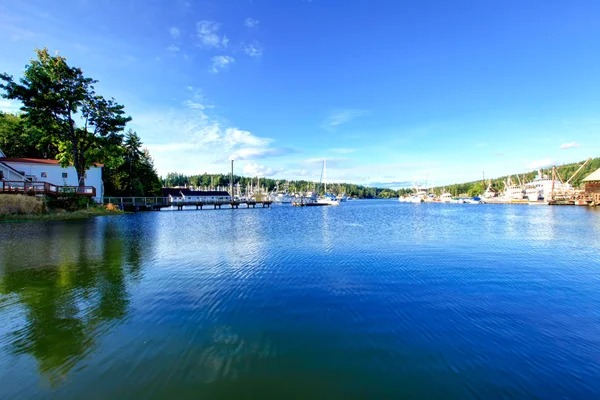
(158, 203)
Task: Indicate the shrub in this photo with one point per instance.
(112, 207)
(11, 204)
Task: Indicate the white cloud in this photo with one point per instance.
(235, 136)
(174, 32)
(481, 145)
(343, 150)
(188, 140)
(208, 33)
(341, 117)
(250, 23)
(173, 48)
(258, 170)
(253, 49)
(194, 105)
(10, 106)
(220, 62)
(569, 145)
(543, 163)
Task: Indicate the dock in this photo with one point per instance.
(158, 203)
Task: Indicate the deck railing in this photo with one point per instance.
(45, 188)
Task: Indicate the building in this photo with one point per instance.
(592, 186)
(50, 171)
(196, 196)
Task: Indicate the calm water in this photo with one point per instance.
(370, 299)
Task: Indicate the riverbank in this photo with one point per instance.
(14, 208)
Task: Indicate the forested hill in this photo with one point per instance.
(297, 186)
(565, 171)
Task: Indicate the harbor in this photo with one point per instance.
(542, 190)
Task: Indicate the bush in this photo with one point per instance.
(70, 201)
(112, 207)
(11, 204)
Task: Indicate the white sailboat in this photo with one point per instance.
(326, 199)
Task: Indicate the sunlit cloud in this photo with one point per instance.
(250, 23)
(221, 62)
(174, 32)
(569, 145)
(253, 49)
(208, 34)
(342, 117)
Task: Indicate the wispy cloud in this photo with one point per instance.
(260, 153)
(343, 116)
(253, 49)
(250, 23)
(331, 162)
(220, 62)
(481, 145)
(543, 163)
(342, 150)
(208, 34)
(173, 48)
(174, 32)
(569, 145)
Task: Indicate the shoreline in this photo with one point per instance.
(59, 216)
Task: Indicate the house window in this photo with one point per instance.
(44, 174)
(22, 173)
(65, 175)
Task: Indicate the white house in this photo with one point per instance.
(42, 170)
(196, 196)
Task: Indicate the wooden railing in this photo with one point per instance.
(45, 188)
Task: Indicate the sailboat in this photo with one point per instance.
(327, 199)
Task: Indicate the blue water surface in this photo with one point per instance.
(371, 299)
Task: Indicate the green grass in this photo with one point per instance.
(28, 208)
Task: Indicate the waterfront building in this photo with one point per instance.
(50, 171)
(592, 186)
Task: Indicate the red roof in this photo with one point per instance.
(35, 161)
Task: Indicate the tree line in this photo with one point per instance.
(63, 118)
(206, 180)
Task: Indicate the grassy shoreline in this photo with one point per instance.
(59, 216)
(16, 208)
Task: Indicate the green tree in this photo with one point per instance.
(19, 139)
(55, 98)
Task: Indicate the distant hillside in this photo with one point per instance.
(566, 171)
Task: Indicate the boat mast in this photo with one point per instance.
(325, 174)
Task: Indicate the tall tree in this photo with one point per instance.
(62, 102)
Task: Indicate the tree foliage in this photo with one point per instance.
(20, 139)
(135, 174)
(58, 99)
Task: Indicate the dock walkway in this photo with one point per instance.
(157, 203)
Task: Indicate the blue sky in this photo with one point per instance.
(389, 92)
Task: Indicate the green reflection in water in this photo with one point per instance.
(71, 285)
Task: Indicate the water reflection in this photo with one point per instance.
(69, 286)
